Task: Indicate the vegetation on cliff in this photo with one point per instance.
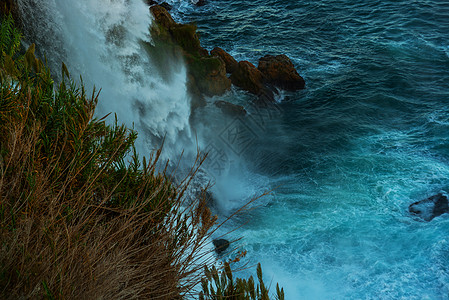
(206, 73)
(81, 216)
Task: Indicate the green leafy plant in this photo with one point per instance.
(220, 285)
(81, 215)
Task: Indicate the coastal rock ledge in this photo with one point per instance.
(207, 73)
(279, 71)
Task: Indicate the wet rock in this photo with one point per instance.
(279, 71)
(246, 76)
(162, 17)
(431, 207)
(185, 36)
(231, 109)
(206, 74)
(230, 62)
(182, 35)
(220, 245)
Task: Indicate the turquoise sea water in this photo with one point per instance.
(345, 157)
(369, 136)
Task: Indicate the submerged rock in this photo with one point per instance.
(279, 71)
(231, 109)
(162, 17)
(431, 207)
(230, 62)
(220, 245)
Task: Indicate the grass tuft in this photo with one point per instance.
(81, 215)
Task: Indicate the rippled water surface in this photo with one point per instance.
(366, 138)
(346, 156)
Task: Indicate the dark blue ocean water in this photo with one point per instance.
(367, 137)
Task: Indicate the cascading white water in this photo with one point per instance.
(104, 42)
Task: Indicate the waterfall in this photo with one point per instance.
(108, 43)
(105, 41)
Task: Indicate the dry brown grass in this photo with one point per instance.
(81, 216)
(76, 220)
(68, 239)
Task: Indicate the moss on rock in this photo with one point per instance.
(206, 73)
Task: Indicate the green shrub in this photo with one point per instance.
(221, 285)
(77, 219)
(81, 215)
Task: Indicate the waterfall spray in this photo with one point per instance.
(104, 42)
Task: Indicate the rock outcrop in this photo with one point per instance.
(220, 245)
(162, 17)
(206, 73)
(248, 77)
(431, 207)
(230, 62)
(279, 71)
(209, 74)
(166, 6)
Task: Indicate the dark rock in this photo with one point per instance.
(151, 2)
(231, 109)
(220, 245)
(167, 6)
(206, 74)
(182, 35)
(431, 207)
(280, 71)
(248, 77)
(200, 2)
(230, 62)
(209, 74)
